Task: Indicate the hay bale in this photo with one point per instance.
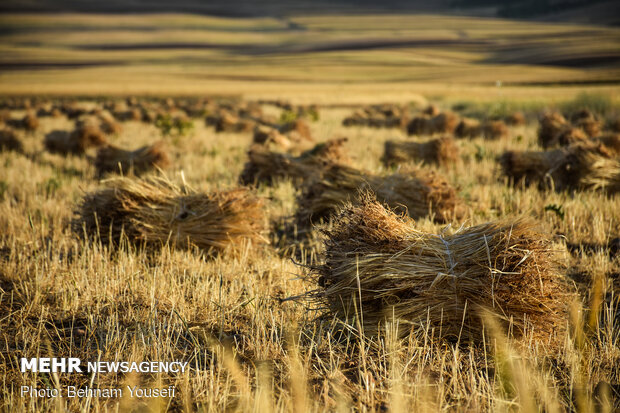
(614, 124)
(468, 128)
(569, 135)
(9, 141)
(267, 167)
(271, 137)
(75, 142)
(112, 159)
(516, 119)
(611, 142)
(582, 114)
(227, 122)
(29, 122)
(298, 127)
(444, 122)
(155, 211)
(550, 125)
(431, 110)
(419, 125)
(591, 127)
(581, 166)
(5, 115)
(377, 266)
(495, 129)
(440, 151)
(418, 192)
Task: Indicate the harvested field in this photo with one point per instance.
(483, 277)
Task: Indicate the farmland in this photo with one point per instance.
(241, 316)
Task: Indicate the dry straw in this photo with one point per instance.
(551, 124)
(468, 128)
(76, 142)
(298, 130)
(378, 267)
(445, 122)
(581, 166)
(494, 129)
(516, 119)
(155, 211)
(267, 166)
(441, 151)
(9, 141)
(611, 142)
(418, 192)
(112, 159)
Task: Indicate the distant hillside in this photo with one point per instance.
(581, 11)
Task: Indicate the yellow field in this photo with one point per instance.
(305, 59)
(249, 349)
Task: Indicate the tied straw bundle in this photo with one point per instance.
(268, 166)
(112, 159)
(377, 268)
(418, 192)
(156, 211)
(441, 151)
(588, 165)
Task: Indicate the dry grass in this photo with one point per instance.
(249, 349)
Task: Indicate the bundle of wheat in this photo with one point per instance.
(495, 129)
(267, 166)
(441, 151)
(591, 127)
(418, 192)
(29, 122)
(431, 110)
(103, 120)
(5, 115)
(515, 119)
(9, 141)
(75, 142)
(155, 211)
(419, 125)
(111, 159)
(611, 141)
(227, 122)
(445, 122)
(551, 124)
(468, 128)
(568, 136)
(271, 138)
(298, 127)
(378, 268)
(581, 166)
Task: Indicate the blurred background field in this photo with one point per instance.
(315, 57)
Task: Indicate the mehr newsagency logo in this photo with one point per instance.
(75, 365)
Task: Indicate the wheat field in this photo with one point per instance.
(250, 344)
